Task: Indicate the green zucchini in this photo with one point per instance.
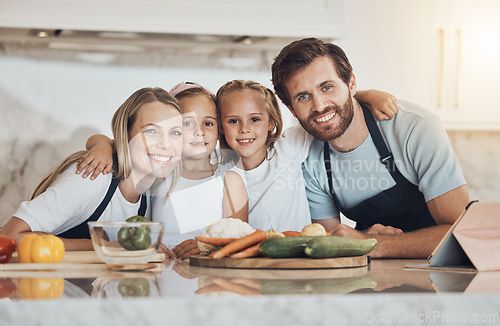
(283, 286)
(287, 247)
(340, 285)
(333, 246)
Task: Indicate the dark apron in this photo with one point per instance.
(82, 231)
(402, 206)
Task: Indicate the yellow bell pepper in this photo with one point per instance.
(44, 248)
(40, 288)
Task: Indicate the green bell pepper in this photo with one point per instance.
(135, 238)
(134, 287)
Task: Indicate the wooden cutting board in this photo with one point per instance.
(86, 257)
(279, 263)
(82, 260)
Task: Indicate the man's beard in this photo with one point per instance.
(346, 113)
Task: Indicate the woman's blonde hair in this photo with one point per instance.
(121, 124)
(271, 105)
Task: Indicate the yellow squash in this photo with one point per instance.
(40, 288)
(44, 248)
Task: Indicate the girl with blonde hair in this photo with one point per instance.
(270, 162)
(148, 132)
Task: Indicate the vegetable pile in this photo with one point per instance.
(218, 286)
(313, 242)
(137, 237)
(239, 239)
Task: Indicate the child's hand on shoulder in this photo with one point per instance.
(383, 105)
(99, 159)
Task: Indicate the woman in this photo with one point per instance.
(147, 129)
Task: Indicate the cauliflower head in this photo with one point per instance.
(225, 228)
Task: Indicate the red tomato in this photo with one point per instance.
(7, 247)
(7, 288)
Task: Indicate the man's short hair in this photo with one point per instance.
(301, 53)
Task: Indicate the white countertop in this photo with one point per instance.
(386, 294)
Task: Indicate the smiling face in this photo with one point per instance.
(200, 129)
(246, 123)
(155, 144)
(320, 100)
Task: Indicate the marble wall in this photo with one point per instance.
(478, 153)
(52, 101)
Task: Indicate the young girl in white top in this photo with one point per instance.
(206, 191)
(148, 132)
(251, 124)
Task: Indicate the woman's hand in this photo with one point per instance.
(186, 249)
(383, 105)
(99, 158)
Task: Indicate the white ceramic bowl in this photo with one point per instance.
(132, 248)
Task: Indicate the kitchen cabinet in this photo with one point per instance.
(467, 43)
(440, 54)
(388, 45)
(290, 18)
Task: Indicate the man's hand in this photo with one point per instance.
(342, 230)
(379, 229)
(392, 243)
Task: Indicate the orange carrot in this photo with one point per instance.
(291, 233)
(236, 287)
(250, 282)
(215, 241)
(328, 233)
(252, 251)
(240, 244)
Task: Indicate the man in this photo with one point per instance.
(399, 173)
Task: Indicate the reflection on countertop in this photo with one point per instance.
(179, 279)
